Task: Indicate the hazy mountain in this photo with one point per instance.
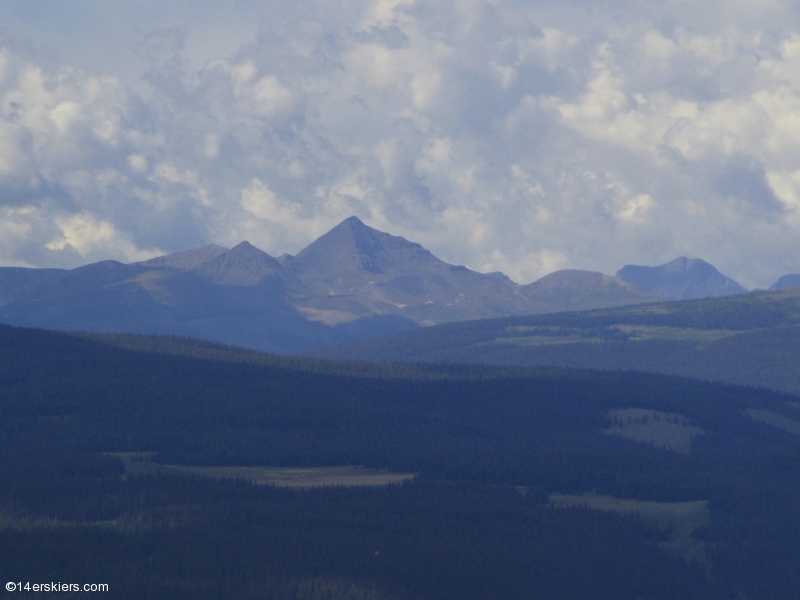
(113, 297)
(787, 281)
(353, 282)
(499, 275)
(356, 270)
(241, 296)
(682, 279)
(243, 265)
(185, 261)
(246, 265)
(582, 290)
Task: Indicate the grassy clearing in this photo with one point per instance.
(25, 523)
(669, 431)
(540, 336)
(774, 419)
(680, 519)
(138, 463)
(545, 340)
(324, 589)
(682, 334)
(130, 523)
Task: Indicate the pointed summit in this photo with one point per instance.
(355, 249)
(682, 279)
(243, 264)
(359, 270)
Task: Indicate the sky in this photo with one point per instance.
(522, 136)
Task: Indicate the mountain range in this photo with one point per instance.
(353, 282)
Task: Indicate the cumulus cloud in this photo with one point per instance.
(90, 237)
(515, 135)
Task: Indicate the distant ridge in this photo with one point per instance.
(499, 275)
(243, 264)
(185, 261)
(787, 281)
(682, 279)
(571, 289)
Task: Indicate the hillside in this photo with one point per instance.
(526, 479)
(749, 339)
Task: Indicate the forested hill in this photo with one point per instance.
(502, 459)
(187, 347)
(748, 339)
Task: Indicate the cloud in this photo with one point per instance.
(521, 136)
(88, 236)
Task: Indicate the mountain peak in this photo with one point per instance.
(365, 238)
(687, 265)
(353, 247)
(246, 247)
(682, 279)
(244, 264)
(353, 221)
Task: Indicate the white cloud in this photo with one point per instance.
(502, 135)
(138, 163)
(635, 209)
(89, 236)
